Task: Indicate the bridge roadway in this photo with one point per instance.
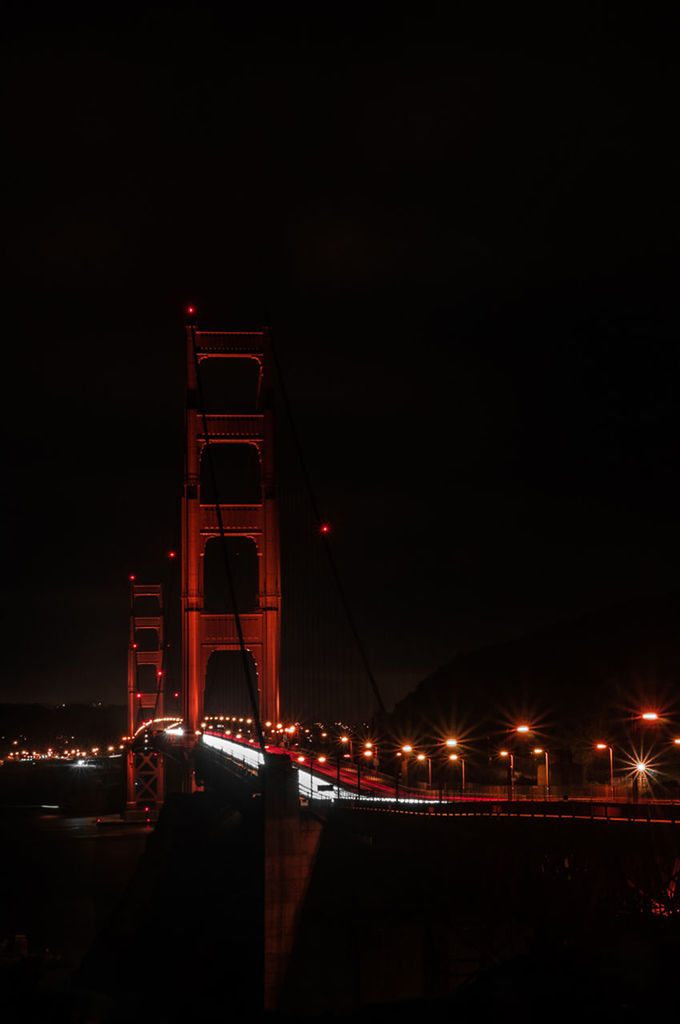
(332, 781)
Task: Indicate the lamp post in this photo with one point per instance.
(421, 758)
(405, 751)
(511, 772)
(368, 753)
(457, 757)
(608, 746)
(344, 739)
(640, 774)
(540, 750)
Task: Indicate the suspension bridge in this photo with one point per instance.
(311, 781)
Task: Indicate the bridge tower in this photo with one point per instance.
(145, 788)
(204, 632)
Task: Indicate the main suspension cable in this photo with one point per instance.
(320, 524)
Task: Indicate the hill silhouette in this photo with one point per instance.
(580, 678)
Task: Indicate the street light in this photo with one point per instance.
(406, 750)
(540, 750)
(511, 772)
(608, 746)
(422, 757)
(640, 773)
(345, 740)
(522, 728)
(456, 757)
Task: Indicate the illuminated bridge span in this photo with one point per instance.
(231, 606)
(319, 779)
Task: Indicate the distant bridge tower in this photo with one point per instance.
(145, 789)
(204, 632)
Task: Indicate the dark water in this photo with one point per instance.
(61, 879)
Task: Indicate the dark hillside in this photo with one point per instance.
(573, 678)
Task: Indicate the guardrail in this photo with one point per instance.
(666, 812)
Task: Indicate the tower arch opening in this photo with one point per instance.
(146, 639)
(147, 678)
(237, 475)
(243, 564)
(226, 689)
(146, 606)
(230, 384)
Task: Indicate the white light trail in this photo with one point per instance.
(309, 784)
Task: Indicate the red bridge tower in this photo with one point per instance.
(204, 632)
(145, 785)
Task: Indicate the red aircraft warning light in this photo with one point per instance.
(191, 309)
(131, 578)
(171, 554)
(325, 528)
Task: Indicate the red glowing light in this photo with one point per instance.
(171, 554)
(139, 696)
(325, 528)
(134, 647)
(190, 309)
(159, 673)
(132, 577)
(176, 695)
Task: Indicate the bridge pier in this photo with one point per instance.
(291, 841)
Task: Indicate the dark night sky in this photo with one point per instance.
(465, 231)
